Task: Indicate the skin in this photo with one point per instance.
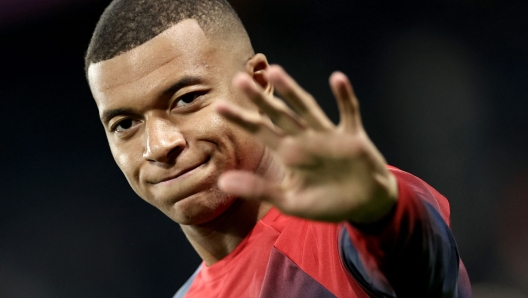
(215, 153)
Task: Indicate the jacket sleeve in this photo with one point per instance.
(409, 253)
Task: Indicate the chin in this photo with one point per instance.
(200, 208)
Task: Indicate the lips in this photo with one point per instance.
(181, 172)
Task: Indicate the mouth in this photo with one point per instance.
(183, 172)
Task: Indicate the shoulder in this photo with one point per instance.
(425, 192)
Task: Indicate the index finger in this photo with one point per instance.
(300, 101)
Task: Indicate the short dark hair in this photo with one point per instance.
(126, 24)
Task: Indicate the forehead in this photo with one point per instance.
(182, 47)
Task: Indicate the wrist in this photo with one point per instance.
(380, 204)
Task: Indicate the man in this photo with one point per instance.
(192, 122)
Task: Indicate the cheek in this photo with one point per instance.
(214, 125)
(120, 158)
(126, 164)
(235, 148)
(243, 150)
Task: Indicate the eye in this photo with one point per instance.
(188, 98)
(124, 125)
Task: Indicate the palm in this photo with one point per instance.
(332, 173)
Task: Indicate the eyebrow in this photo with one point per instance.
(183, 82)
(107, 115)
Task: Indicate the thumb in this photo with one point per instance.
(248, 185)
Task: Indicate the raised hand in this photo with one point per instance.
(331, 173)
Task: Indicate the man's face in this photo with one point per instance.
(156, 104)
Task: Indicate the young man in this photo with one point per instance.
(276, 199)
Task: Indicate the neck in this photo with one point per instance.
(217, 238)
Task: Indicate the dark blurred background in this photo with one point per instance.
(443, 88)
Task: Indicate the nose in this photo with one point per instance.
(164, 142)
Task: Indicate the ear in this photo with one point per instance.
(256, 67)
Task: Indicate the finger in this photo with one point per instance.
(248, 185)
(314, 151)
(300, 100)
(346, 101)
(251, 122)
(278, 112)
